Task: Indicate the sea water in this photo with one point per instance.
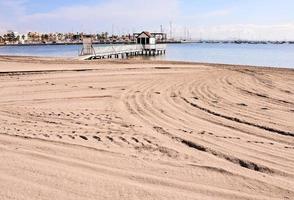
(273, 55)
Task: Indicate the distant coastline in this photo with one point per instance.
(238, 42)
(166, 42)
(80, 43)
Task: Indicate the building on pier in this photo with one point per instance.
(159, 37)
(145, 38)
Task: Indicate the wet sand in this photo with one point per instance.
(144, 130)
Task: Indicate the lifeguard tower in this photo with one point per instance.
(88, 48)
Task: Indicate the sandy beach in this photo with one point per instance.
(83, 130)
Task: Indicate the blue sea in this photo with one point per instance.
(273, 55)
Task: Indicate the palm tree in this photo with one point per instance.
(17, 39)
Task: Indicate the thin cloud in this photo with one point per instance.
(128, 13)
(245, 32)
(218, 13)
(126, 16)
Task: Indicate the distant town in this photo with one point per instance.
(36, 38)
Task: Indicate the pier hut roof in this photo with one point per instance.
(144, 34)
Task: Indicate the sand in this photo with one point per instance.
(144, 130)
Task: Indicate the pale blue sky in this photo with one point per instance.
(207, 19)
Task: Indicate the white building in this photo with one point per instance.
(145, 38)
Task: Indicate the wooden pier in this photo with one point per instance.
(122, 51)
(146, 46)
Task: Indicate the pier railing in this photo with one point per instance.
(116, 49)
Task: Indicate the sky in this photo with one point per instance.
(198, 19)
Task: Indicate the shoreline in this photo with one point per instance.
(74, 60)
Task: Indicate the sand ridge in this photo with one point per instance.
(144, 130)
